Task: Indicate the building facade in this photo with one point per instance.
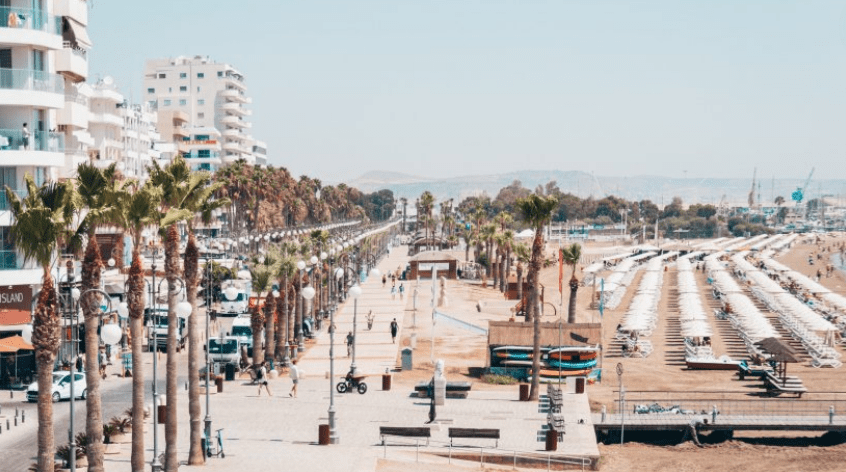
(212, 95)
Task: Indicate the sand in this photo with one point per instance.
(663, 370)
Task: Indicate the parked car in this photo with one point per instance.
(61, 386)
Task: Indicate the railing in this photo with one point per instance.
(729, 403)
(76, 97)
(27, 18)
(8, 259)
(37, 141)
(36, 80)
(191, 155)
(75, 49)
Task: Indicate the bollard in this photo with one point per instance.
(16, 421)
(714, 415)
(603, 413)
(23, 416)
(7, 424)
(831, 414)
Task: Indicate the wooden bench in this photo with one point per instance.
(483, 433)
(406, 432)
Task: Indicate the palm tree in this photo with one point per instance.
(261, 283)
(137, 209)
(537, 211)
(96, 193)
(40, 222)
(523, 256)
(427, 201)
(179, 188)
(201, 202)
(571, 256)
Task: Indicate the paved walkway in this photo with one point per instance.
(374, 350)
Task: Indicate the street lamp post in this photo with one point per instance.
(69, 300)
(355, 292)
(333, 434)
(313, 307)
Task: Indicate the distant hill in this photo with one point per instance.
(583, 184)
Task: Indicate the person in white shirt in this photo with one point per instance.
(296, 374)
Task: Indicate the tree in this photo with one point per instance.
(40, 223)
(137, 208)
(571, 256)
(523, 257)
(179, 187)
(96, 193)
(427, 201)
(536, 211)
(261, 283)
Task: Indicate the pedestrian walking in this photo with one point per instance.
(393, 292)
(350, 339)
(296, 374)
(401, 290)
(370, 318)
(261, 377)
(394, 329)
(79, 363)
(384, 280)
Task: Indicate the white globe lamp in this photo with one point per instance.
(111, 334)
(183, 309)
(355, 291)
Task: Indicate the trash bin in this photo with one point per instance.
(406, 359)
(524, 392)
(218, 382)
(230, 372)
(580, 385)
(386, 381)
(161, 414)
(551, 440)
(323, 434)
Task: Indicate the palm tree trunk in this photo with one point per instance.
(45, 340)
(257, 322)
(534, 272)
(192, 280)
(135, 302)
(520, 281)
(171, 388)
(571, 308)
(279, 352)
(270, 331)
(91, 266)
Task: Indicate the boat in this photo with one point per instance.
(516, 363)
(572, 365)
(712, 363)
(514, 352)
(574, 353)
(550, 373)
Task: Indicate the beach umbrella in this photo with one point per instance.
(780, 352)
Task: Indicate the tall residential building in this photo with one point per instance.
(123, 133)
(213, 95)
(43, 60)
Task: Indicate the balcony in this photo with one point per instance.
(233, 133)
(234, 95)
(235, 121)
(72, 61)
(74, 114)
(28, 27)
(232, 147)
(179, 131)
(106, 119)
(76, 9)
(179, 118)
(45, 89)
(41, 148)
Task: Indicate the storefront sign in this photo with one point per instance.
(439, 266)
(16, 297)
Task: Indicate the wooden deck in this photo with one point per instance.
(704, 422)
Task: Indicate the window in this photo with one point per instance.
(183, 88)
(201, 102)
(183, 102)
(170, 90)
(166, 102)
(204, 153)
(200, 75)
(200, 116)
(220, 73)
(198, 89)
(151, 90)
(162, 76)
(183, 75)
(153, 104)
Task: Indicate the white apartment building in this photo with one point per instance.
(213, 95)
(123, 133)
(43, 60)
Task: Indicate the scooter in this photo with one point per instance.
(211, 450)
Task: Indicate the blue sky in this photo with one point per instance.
(451, 87)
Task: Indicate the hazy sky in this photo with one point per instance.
(452, 87)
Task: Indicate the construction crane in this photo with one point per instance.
(751, 198)
(799, 194)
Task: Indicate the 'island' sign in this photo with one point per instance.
(16, 297)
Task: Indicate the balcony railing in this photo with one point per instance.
(27, 18)
(75, 49)
(13, 139)
(194, 155)
(35, 80)
(76, 97)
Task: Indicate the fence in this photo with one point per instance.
(729, 404)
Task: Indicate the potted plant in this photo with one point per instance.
(120, 426)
